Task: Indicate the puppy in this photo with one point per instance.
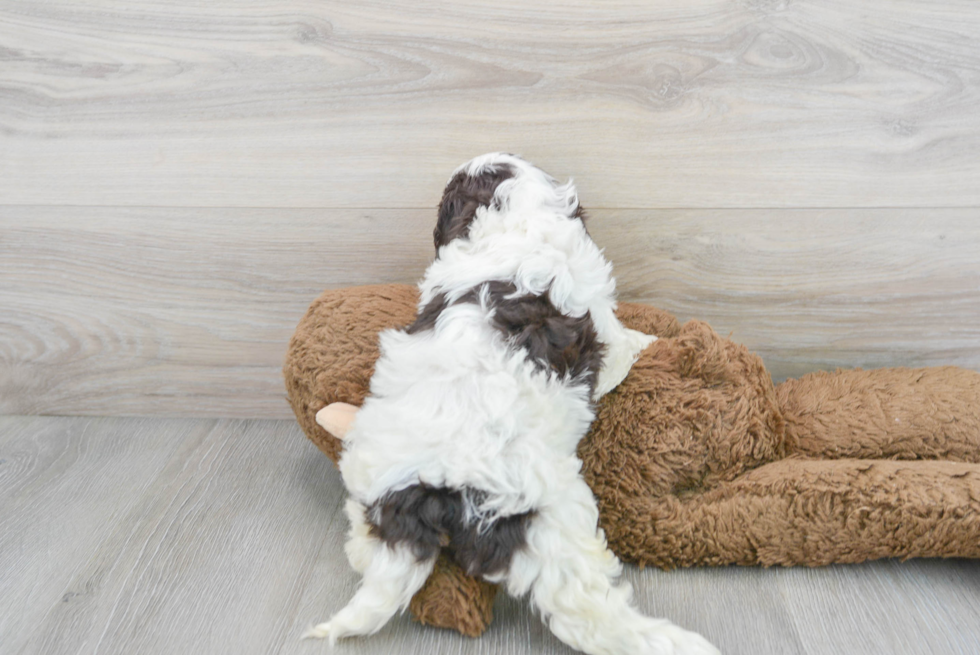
(468, 439)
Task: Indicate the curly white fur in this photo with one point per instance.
(457, 406)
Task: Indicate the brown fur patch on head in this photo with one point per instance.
(462, 197)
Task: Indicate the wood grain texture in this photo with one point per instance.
(66, 486)
(114, 311)
(709, 103)
(811, 289)
(179, 180)
(212, 559)
(845, 609)
(160, 536)
(184, 311)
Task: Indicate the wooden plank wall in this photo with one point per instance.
(178, 180)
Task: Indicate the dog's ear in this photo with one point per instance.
(336, 418)
(461, 198)
(456, 211)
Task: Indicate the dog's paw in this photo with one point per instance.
(331, 630)
(684, 642)
(320, 631)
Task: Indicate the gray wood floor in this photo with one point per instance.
(138, 535)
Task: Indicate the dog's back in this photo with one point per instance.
(467, 440)
(472, 404)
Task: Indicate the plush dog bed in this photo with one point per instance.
(698, 459)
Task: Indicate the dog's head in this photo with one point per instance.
(499, 182)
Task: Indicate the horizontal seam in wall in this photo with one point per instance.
(433, 207)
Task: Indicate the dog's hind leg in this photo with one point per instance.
(361, 544)
(570, 573)
(392, 575)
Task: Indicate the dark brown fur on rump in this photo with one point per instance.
(431, 518)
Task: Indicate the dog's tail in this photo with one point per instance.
(570, 573)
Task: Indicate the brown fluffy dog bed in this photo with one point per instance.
(696, 458)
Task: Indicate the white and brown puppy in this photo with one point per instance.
(467, 441)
